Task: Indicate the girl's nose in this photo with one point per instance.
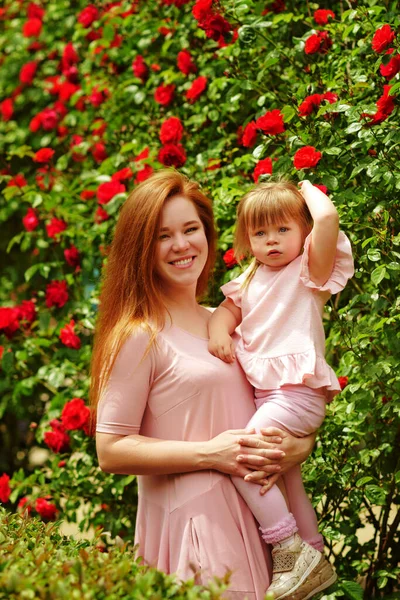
(271, 240)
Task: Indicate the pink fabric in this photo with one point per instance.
(316, 542)
(280, 531)
(191, 520)
(282, 336)
(300, 411)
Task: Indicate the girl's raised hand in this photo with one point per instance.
(222, 347)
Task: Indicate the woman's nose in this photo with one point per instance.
(180, 243)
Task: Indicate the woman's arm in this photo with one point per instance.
(140, 455)
(324, 234)
(221, 325)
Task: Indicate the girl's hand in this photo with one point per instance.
(222, 347)
(240, 452)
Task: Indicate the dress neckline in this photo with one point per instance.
(197, 337)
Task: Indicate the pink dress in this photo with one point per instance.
(282, 335)
(192, 522)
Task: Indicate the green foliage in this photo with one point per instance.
(354, 473)
(36, 561)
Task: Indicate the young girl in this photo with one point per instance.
(300, 259)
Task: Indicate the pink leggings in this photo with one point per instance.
(300, 411)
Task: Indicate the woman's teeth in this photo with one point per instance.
(185, 261)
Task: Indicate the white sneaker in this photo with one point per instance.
(299, 571)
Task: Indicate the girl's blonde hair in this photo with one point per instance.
(268, 203)
(131, 293)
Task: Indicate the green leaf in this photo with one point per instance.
(353, 128)
(288, 112)
(353, 590)
(373, 254)
(334, 151)
(378, 274)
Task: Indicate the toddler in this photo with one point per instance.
(300, 258)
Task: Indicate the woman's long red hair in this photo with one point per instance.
(130, 294)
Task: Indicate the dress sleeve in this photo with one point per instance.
(234, 289)
(124, 401)
(343, 268)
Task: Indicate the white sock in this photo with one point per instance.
(286, 542)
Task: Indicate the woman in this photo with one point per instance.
(169, 411)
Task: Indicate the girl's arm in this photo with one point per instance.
(324, 233)
(222, 324)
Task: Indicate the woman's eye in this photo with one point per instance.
(191, 229)
(163, 236)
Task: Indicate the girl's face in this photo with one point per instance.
(277, 245)
(182, 247)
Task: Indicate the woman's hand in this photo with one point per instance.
(295, 451)
(241, 452)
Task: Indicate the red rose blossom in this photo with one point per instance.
(18, 181)
(185, 62)
(27, 311)
(71, 255)
(271, 123)
(171, 130)
(309, 104)
(229, 258)
(69, 337)
(87, 194)
(201, 9)
(321, 187)
(27, 72)
(343, 381)
(172, 155)
(101, 215)
(383, 37)
(322, 15)
(306, 157)
(391, 69)
(215, 26)
(318, 42)
(106, 191)
(99, 152)
(88, 15)
(24, 506)
(143, 154)
(7, 109)
(32, 28)
(30, 220)
(197, 88)
(57, 439)
(263, 167)
(123, 174)
(43, 155)
(164, 94)
(56, 293)
(9, 320)
(75, 415)
(144, 174)
(55, 227)
(249, 136)
(45, 509)
(139, 68)
(5, 490)
(35, 11)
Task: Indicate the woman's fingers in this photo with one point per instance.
(263, 458)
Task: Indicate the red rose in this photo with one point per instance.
(330, 97)
(57, 439)
(321, 187)
(309, 104)
(383, 37)
(144, 154)
(312, 44)
(100, 127)
(88, 15)
(392, 68)
(197, 88)
(215, 26)
(27, 311)
(171, 130)
(343, 381)
(99, 152)
(201, 9)
(48, 119)
(101, 215)
(71, 255)
(27, 72)
(5, 490)
(263, 167)
(172, 155)
(97, 97)
(106, 191)
(56, 293)
(69, 56)
(75, 414)
(321, 16)
(7, 109)
(35, 11)
(45, 509)
(139, 68)
(249, 135)
(9, 320)
(87, 194)
(18, 181)
(144, 174)
(43, 155)
(123, 174)
(30, 220)
(24, 506)
(32, 28)
(306, 157)
(69, 337)
(164, 94)
(271, 123)
(61, 464)
(185, 62)
(229, 258)
(55, 227)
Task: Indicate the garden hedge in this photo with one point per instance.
(94, 97)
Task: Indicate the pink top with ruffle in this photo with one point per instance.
(282, 335)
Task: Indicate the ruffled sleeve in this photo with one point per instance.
(343, 268)
(234, 289)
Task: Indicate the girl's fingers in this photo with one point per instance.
(269, 483)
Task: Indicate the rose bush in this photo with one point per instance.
(93, 99)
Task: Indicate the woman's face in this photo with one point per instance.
(182, 247)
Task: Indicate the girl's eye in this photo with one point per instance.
(283, 229)
(259, 233)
